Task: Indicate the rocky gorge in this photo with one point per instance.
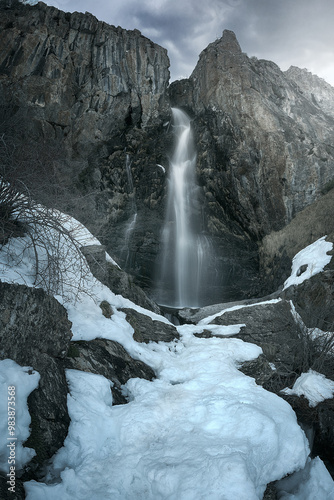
(85, 125)
(96, 97)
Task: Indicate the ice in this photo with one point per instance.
(25, 380)
(314, 386)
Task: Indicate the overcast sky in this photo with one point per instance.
(288, 32)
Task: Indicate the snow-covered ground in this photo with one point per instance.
(200, 430)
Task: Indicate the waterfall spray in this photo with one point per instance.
(184, 248)
(132, 221)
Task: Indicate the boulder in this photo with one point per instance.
(272, 327)
(110, 359)
(148, 330)
(35, 331)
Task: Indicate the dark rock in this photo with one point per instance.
(106, 309)
(259, 369)
(314, 300)
(270, 493)
(115, 278)
(263, 137)
(318, 424)
(124, 284)
(96, 259)
(148, 330)
(324, 434)
(272, 327)
(19, 493)
(35, 331)
(194, 315)
(278, 248)
(110, 359)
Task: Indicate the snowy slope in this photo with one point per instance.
(200, 430)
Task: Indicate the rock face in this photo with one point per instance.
(115, 278)
(93, 96)
(35, 331)
(263, 136)
(264, 150)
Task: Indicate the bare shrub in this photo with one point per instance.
(47, 238)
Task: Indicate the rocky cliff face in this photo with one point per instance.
(264, 143)
(79, 78)
(88, 98)
(101, 94)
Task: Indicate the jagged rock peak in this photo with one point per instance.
(229, 42)
(320, 92)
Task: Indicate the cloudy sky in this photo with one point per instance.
(288, 32)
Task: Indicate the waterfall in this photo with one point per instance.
(184, 248)
(130, 226)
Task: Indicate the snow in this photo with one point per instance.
(208, 319)
(312, 483)
(312, 385)
(314, 256)
(25, 380)
(201, 430)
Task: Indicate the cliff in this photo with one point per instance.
(88, 106)
(264, 142)
(79, 77)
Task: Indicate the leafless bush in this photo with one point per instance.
(59, 267)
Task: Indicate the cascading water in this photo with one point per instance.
(132, 221)
(184, 249)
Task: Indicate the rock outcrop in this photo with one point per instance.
(88, 97)
(148, 330)
(35, 331)
(264, 149)
(110, 359)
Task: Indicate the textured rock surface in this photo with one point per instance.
(264, 139)
(264, 149)
(314, 300)
(148, 330)
(272, 326)
(94, 95)
(315, 88)
(35, 331)
(115, 278)
(79, 75)
(278, 248)
(109, 359)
